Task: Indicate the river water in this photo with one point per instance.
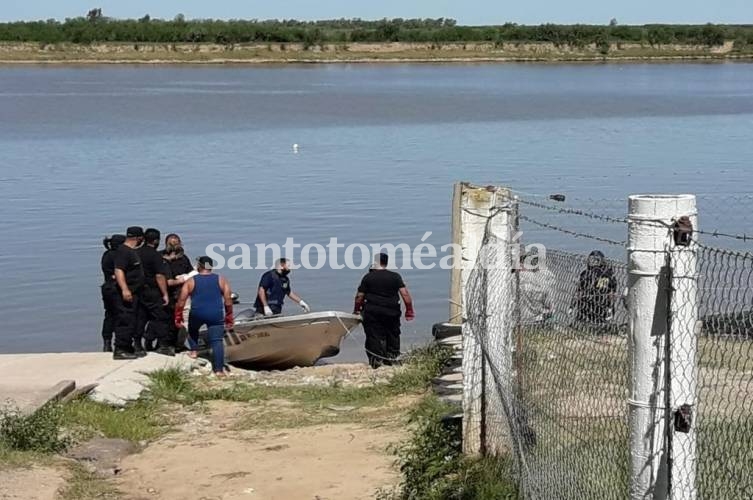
(207, 152)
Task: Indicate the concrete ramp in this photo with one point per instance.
(27, 381)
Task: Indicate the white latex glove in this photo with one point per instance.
(268, 311)
(304, 306)
(181, 278)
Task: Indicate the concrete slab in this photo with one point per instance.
(27, 377)
(28, 401)
(448, 379)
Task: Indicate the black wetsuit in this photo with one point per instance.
(596, 291)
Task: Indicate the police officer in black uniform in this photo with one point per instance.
(378, 301)
(153, 318)
(109, 289)
(179, 265)
(129, 276)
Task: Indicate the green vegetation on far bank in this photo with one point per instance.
(96, 27)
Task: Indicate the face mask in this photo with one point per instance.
(285, 272)
(174, 249)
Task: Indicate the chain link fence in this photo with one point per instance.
(555, 350)
(725, 382)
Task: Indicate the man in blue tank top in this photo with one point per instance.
(274, 286)
(211, 305)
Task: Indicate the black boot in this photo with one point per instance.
(123, 355)
(107, 347)
(165, 351)
(138, 349)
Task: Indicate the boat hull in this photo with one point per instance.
(287, 341)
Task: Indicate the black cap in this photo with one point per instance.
(116, 241)
(206, 262)
(134, 232)
(151, 235)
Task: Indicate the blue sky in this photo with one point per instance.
(465, 11)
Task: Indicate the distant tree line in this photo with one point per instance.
(95, 27)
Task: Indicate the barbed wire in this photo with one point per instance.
(715, 233)
(573, 211)
(571, 232)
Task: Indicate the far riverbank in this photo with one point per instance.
(281, 53)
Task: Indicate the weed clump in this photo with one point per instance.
(38, 432)
(434, 468)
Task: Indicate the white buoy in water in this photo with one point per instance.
(295, 148)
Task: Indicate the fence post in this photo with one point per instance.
(479, 212)
(650, 218)
(683, 343)
(500, 325)
(456, 284)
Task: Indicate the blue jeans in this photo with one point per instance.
(215, 334)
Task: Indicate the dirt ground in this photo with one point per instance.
(213, 457)
(271, 449)
(36, 483)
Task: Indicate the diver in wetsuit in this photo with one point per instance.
(594, 298)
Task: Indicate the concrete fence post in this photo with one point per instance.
(650, 219)
(480, 211)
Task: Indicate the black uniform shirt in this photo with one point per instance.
(381, 289)
(108, 265)
(128, 261)
(153, 264)
(177, 266)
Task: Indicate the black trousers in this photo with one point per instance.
(382, 337)
(594, 309)
(125, 323)
(110, 296)
(153, 319)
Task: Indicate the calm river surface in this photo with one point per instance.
(207, 152)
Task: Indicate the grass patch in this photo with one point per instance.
(725, 452)
(138, 421)
(12, 459)
(304, 405)
(175, 385)
(39, 432)
(85, 485)
(434, 468)
(171, 384)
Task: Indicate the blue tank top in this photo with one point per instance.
(207, 302)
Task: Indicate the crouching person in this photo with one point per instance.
(211, 305)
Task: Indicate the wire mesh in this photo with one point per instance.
(561, 394)
(725, 382)
(573, 380)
